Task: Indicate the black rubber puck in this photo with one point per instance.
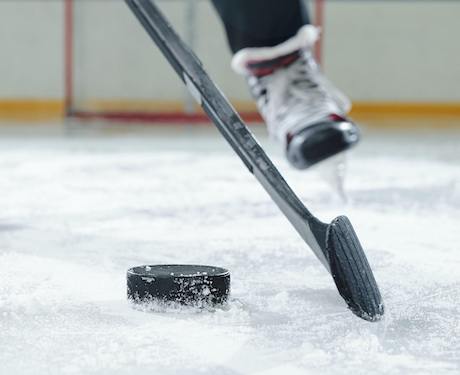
(193, 285)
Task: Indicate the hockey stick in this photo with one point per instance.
(336, 245)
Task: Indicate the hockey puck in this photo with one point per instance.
(193, 285)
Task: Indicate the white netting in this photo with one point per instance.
(115, 65)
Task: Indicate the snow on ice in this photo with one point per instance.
(78, 211)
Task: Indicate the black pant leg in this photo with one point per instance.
(261, 23)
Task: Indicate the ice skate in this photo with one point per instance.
(303, 111)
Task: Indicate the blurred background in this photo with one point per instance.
(91, 59)
(106, 163)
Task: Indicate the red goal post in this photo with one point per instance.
(95, 88)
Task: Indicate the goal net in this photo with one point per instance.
(114, 71)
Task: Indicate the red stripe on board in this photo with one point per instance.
(156, 118)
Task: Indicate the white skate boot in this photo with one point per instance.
(303, 110)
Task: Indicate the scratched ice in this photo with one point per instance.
(78, 210)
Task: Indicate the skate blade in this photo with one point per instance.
(333, 172)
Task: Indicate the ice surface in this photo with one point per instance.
(78, 211)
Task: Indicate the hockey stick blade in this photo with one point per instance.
(335, 244)
(351, 271)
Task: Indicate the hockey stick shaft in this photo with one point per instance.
(229, 123)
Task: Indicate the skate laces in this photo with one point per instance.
(292, 97)
(306, 94)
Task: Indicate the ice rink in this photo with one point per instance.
(79, 207)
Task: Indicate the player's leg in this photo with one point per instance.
(260, 23)
(272, 42)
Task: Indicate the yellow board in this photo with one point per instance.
(53, 109)
(31, 109)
